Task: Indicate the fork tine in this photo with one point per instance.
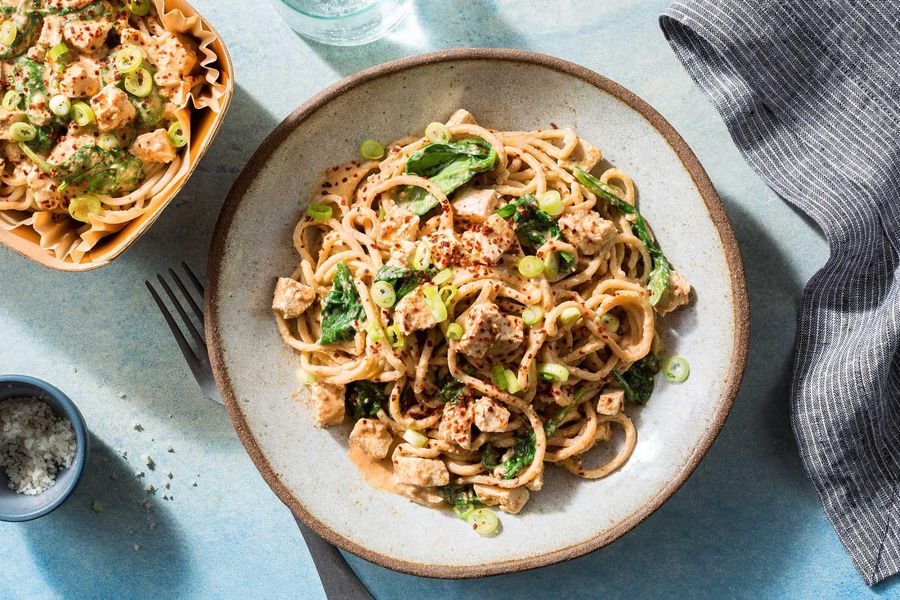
(193, 278)
(184, 317)
(183, 344)
(197, 312)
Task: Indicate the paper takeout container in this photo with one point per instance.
(209, 105)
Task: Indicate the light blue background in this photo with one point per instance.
(746, 524)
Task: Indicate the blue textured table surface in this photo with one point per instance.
(746, 524)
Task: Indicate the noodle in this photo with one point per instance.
(477, 415)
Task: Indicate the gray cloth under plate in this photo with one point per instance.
(810, 91)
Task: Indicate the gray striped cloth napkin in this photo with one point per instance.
(810, 91)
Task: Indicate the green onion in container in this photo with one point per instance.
(610, 322)
(8, 32)
(82, 114)
(108, 141)
(11, 100)
(22, 132)
(139, 83)
(498, 376)
(138, 8)
(60, 105)
(57, 52)
(82, 207)
(128, 59)
(176, 135)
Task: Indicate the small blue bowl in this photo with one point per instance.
(19, 507)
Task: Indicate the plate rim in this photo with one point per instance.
(714, 206)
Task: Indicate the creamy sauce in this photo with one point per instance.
(379, 473)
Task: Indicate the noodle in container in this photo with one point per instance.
(55, 240)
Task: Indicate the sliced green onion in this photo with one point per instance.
(395, 337)
(57, 52)
(443, 277)
(82, 207)
(22, 132)
(8, 32)
(483, 521)
(455, 331)
(532, 315)
(60, 105)
(128, 59)
(36, 158)
(435, 304)
(569, 316)
(610, 322)
(498, 376)
(374, 331)
(580, 394)
(676, 369)
(437, 133)
(307, 378)
(139, 83)
(138, 8)
(176, 135)
(463, 510)
(108, 141)
(448, 294)
(383, 294)
(551, 203)
(422, 258)
(371, 149)
(531, 266)
(318, 212)
(505, 212)
(414, 438)
(82, 114)
(551, 265)
(553, 372)
(512, 382)
(11, 100)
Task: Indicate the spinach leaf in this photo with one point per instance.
(364, 399)
(29, 79)
(453, 391)
(149, 108)
(47, 137)
(461, 498)
(533, 226)
(402, 279)
(660, 271)
(638, 380)
(112, 171)
(523, 454)
(449, 166)
(340, 308)
(490, 457)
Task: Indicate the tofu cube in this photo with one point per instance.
(456, 424)
(510, 500)
(292, 298)
(329, 401)
(112, 108)
(490, 415)
(426, 472)
(372, 437)
(474, 205)
(488, 243)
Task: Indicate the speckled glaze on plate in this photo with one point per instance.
(505, 89)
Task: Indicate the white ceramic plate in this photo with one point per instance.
(505, 89)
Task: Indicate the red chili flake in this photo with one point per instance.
(553, 125)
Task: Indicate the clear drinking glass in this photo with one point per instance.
(343, 22)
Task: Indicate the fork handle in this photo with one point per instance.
(338, 579)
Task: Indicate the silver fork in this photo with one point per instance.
(338, 579)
